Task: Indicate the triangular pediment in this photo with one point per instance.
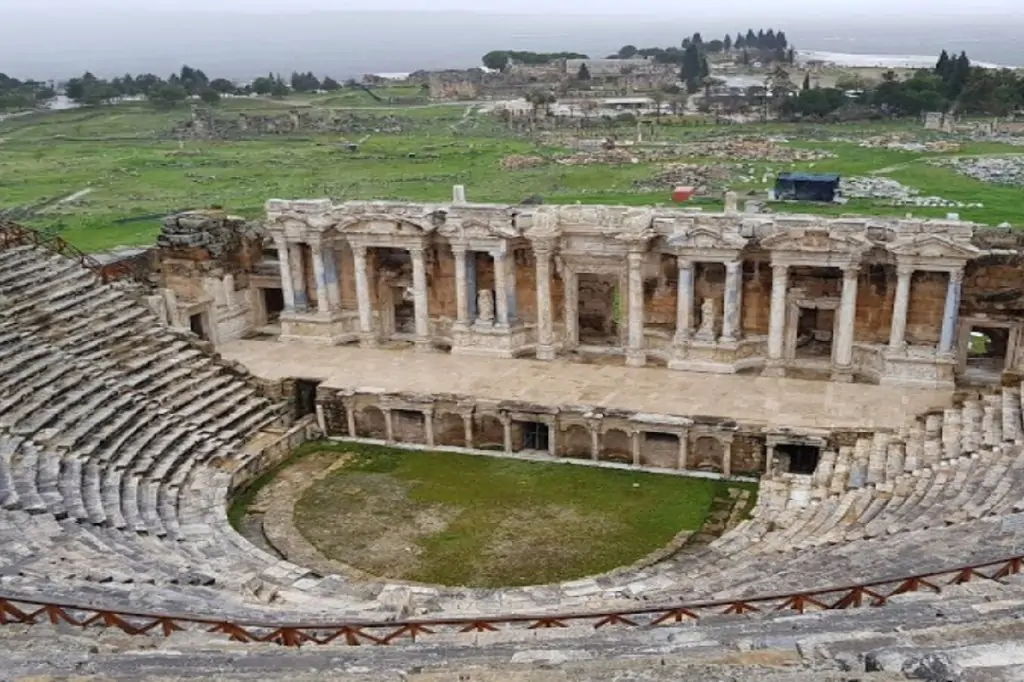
(815, 241)
(703, 237)
(933, 246)
(376, 223)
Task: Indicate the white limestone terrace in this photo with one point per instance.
(118, 439)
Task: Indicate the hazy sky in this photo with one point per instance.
(720, 9)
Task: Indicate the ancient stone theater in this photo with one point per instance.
(866, 372)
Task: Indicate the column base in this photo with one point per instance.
(842, 374)
(774, 369)
(545, 352)
(635, 358)
(423, 345)
(368, 341)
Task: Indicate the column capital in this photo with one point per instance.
(904, 270)
(359, 250)
(851, 271)
(543, 245)
(779, 270)
(684, 263)
(417, 251)
(956, 275)
(734, 265)
(635, 257)
(459, 248)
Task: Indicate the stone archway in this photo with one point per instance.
(370, 423)
(708, 454)
(576, 442)
(450, 430)
(616, 446)
(409, 426)
(488, 433)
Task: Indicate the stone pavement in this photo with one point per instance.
(773, 402)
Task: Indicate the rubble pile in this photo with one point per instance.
(898, 194)
(753, 149)
(521, 162)
(609, 157)
(705, 179)
(901, 143)
(999, 170)
(213, 231)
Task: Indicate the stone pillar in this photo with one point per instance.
(634, 443)
(950, 315)
(500, 288)
(684, 450)
(506, 424)
(777, 320)
(458, 194)
(900, 306)
(287, 283)
(571, 301)
(635, 355)
(769, 458)
(727, 458)
(733, 301)
(471, 289)
(389, 428)
(419, 292)
(467, 425)
(731, 203)
(350, 419)
(323, 303)
(298, 276)
(510, 284)
(461, 302)
(553, 437)
(367, 338)
(545, 333)
(428, 425)
(684, 301)
(595, 443)
(331, 274)
(843, 360)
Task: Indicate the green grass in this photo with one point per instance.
(492, 521)
(126, 156)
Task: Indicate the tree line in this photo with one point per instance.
(953, 85)
(90, 90)
(499, 60)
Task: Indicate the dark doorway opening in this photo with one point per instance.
(987, 349)
(405, 311)
(195, 323)
(814, 332)
(535, 436)
(803, 459)
(305, 397)
(599, 310)
(273, 301)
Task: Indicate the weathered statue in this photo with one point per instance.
(485, 305)
(707, 319)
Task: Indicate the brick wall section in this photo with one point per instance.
(747, 455)
(757, 296)
(927, 302)
(994, 286)
(876, 292)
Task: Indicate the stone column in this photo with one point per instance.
(323, 303)
(461, 301)
(545, 334)
(350, 419)
(684, 450)
(500, 288)
(777, 320)
(506, 424)
(287, 283)
(634, 444)
(595, 443)
(635, 355)
(843, 359)
(471, 288)
(900, 306)
(367, 338)
(684, 301)
(553, 437)
(298, 276)
(732, 302)
(428, 426)
(571, 304)
(389, 427)
(467, 425)
(419, 292)
(951, 313)
(331, 273)
(727, 458)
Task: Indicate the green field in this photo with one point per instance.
(481, 521)
(134, 168)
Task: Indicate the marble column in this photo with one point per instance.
(777, 315)
(471, 288)
(298, 276)
(634, 446)
(331, 274)
(350, 419)
(389, 426)
(500, 288)
(367, 338)
(951, 313)
(635, 355)
(727, 458)
(595, 443)
(900, 306)
(545, 334)
(287, 283)
(461, 301)
(323, 303)
(428, 426)
(506, 425)
(843, 357)
(419, 292)
(733, 301)
(467, 427)
(684, 450)
(684, 301)
(552, 438)
(571, 304)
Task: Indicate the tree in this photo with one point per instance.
(584, 73)
(496, 60)
(263, 85)
(329, 84)
(751, 40)
(807, 81)
(222, 86)
(727, 43)
(740, 42)
(168, 95)
(627, 52)
(210, 96)
(540, 98)
(715, 46)
(694, 68)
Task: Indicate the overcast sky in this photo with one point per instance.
(720, 9)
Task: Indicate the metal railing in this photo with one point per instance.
(14, 234)
(14, 609)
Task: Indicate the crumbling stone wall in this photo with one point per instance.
(757, 296)
(876, 292)
(994, 287)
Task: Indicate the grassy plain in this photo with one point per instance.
(481, 521)
(135, 169)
